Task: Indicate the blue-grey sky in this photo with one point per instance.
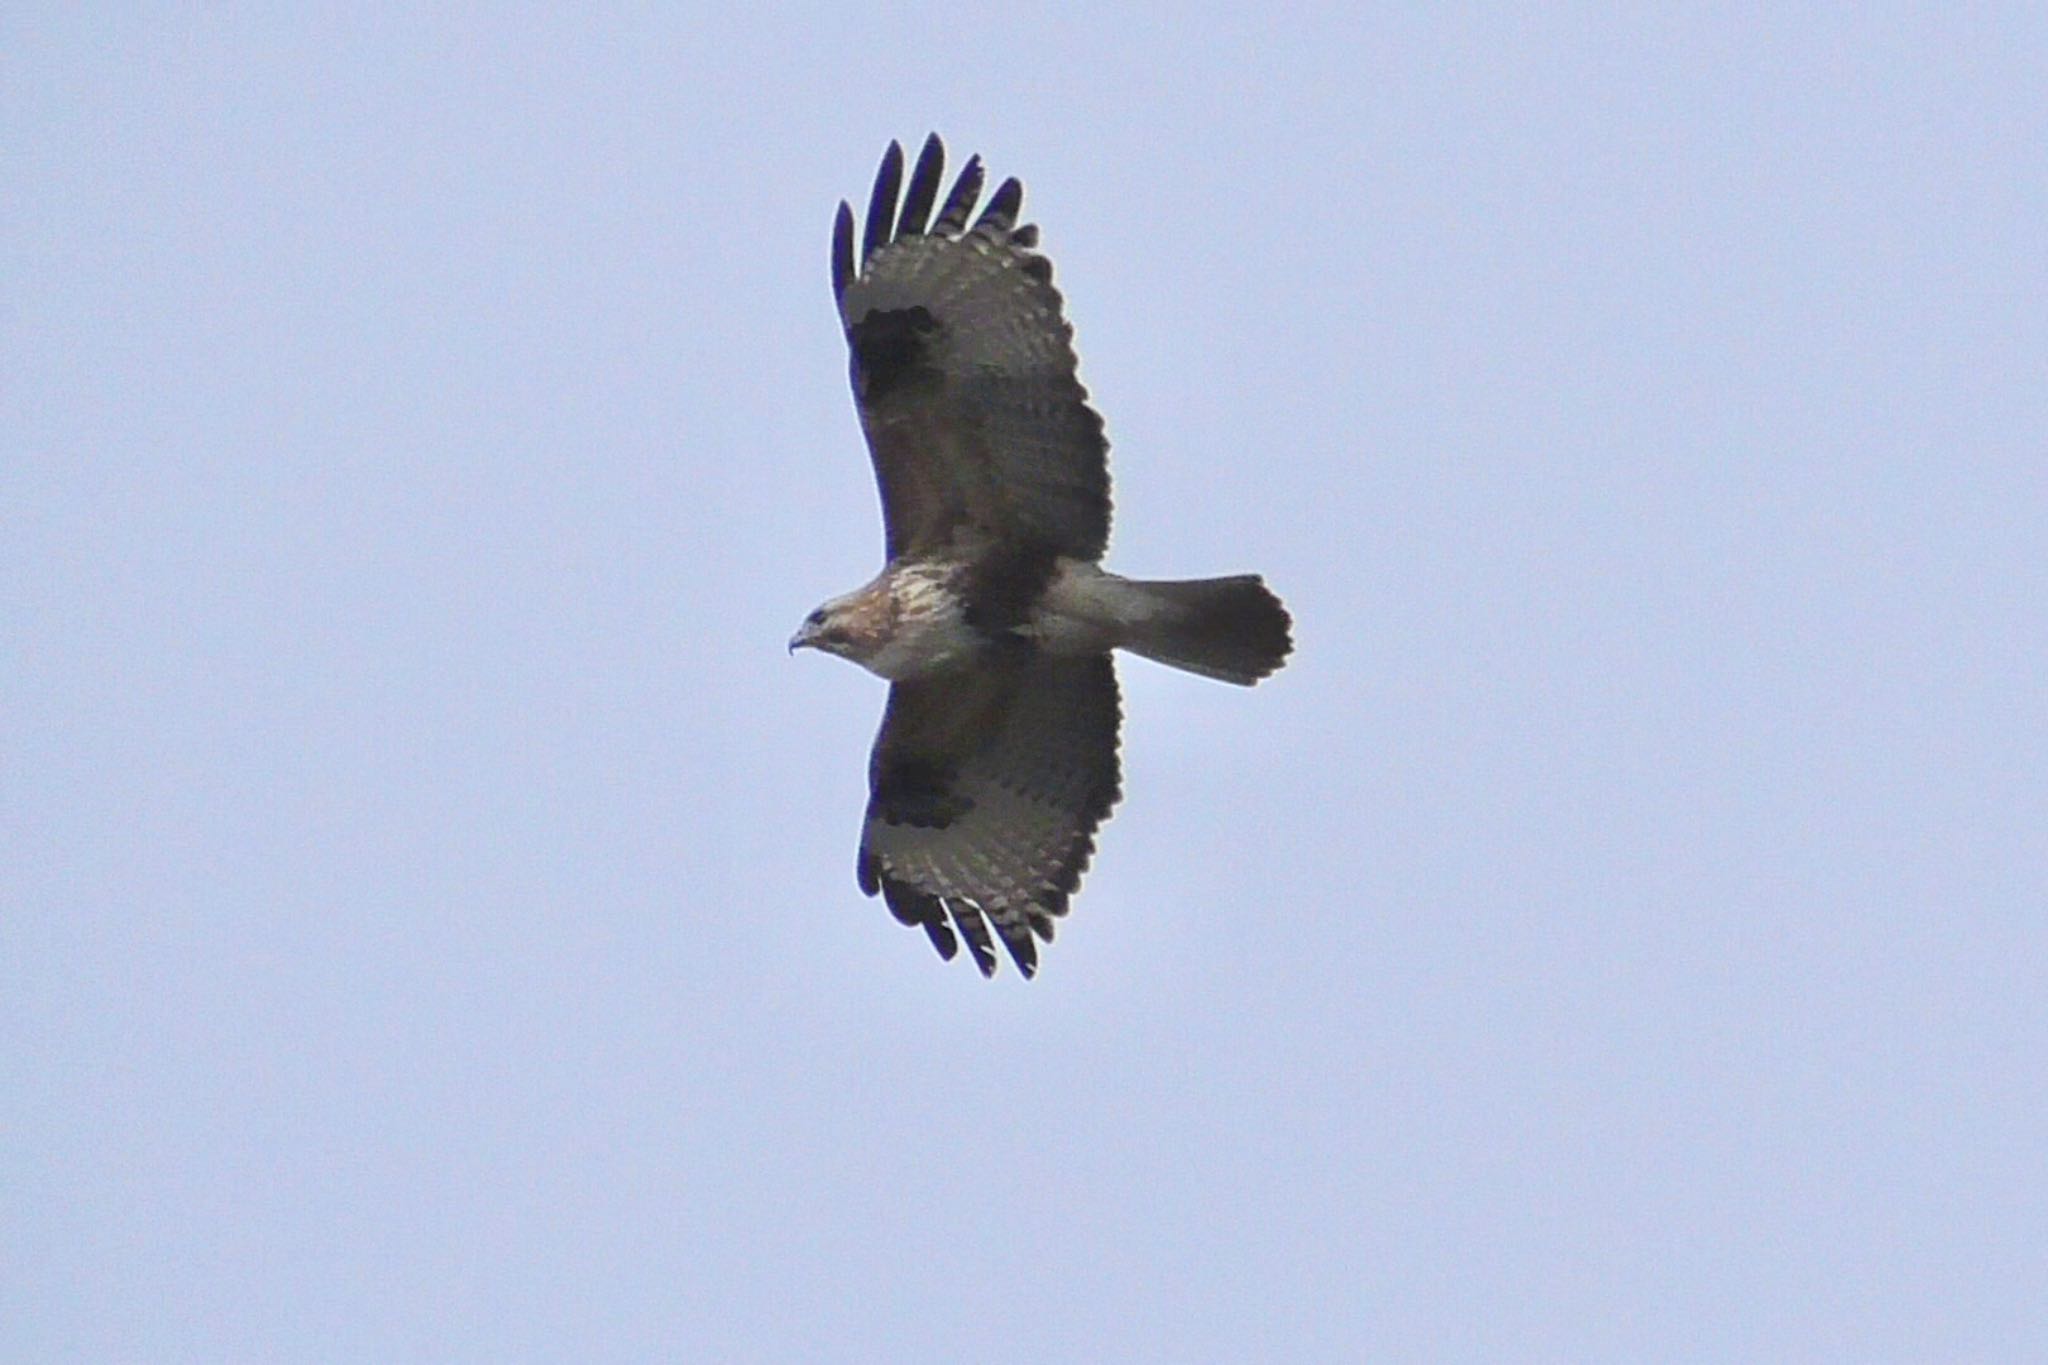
(1619, 935)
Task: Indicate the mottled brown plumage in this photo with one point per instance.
(997, 757)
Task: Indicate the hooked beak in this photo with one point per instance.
(805, 638)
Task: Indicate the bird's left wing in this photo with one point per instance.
(985, 791)
(963, 367)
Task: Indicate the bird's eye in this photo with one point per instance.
(816, 618)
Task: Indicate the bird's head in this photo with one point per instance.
(830, 628)
(858, 626)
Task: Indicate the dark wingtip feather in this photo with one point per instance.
(960, 203)
(842, 250)
(1001, 214)
(1024, 952)
(924, 188)
(912, 908)
(974, 929)
(1026, 236)
(882, 206)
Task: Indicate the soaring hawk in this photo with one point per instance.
(991, 620)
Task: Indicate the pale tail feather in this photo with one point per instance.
(1233, 629)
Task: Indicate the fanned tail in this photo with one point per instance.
(1233, 629)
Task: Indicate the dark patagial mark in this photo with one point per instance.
(919, 793)
(890, 348)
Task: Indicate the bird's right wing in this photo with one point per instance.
(985, 791)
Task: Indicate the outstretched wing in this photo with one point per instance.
(963, 368)
(985, 790)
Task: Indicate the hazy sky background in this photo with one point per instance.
(431, 931)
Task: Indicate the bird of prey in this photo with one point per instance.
(992, 620)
